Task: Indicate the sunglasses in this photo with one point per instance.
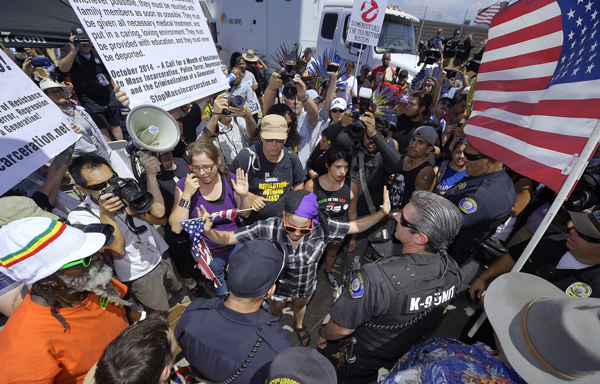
(205, 168)
(446, 104)
(460, 125)
(335, 110)
(407, 224)
(587, 238)
(102, 185)
(86, 261)
(461, 139)
(472, 157)
(270, 141)
(292, 229)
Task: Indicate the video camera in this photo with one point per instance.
(473, 64)
(287, 76)
(129, 191)
(356, 130)
(452, 47)
(587, 192)
(82, 40)
(428, 54)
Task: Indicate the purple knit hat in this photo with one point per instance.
(303, 203)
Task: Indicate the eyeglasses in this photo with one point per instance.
(473, 157)
(205, 168)
(292, 229)
(407, 224)
(86, 261)
(102, 185)
(270, 141)
(587, 238)
(336, 110)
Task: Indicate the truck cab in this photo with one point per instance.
(397, 37)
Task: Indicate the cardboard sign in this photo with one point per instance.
(366, 21)
(160, 52)
(32, 128)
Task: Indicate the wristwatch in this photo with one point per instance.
(305, 99)
(321, 329)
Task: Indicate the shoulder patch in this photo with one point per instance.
(357, 286)
(467, 205)
(579, 289)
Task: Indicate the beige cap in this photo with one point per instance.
(274, 127)
(17, 207)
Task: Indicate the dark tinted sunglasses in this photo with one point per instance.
(460, 125)
(102, 185)
(472, 157)
(447, 104)
(336, 110)
(588, 238)
(461, 139)
(407, 224)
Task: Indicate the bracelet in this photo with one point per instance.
(216, 113)
(321, 329)
(183, 203)
(482, 279)
(305, 100)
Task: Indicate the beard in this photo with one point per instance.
(97, 281)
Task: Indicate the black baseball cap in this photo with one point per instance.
(301, 365)
(255, 267)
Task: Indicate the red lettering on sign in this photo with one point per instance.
(370, 14)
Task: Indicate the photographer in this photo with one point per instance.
(378, 158)
(241, 88)
(230, 128)
(464, 50)
(137, 250)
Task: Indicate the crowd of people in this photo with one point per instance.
(403, 201)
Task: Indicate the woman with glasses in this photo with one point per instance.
(210, 186)
(452, 134)
(337, 194)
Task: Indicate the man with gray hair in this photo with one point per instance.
(393, 303)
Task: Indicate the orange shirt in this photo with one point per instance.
(34, 348)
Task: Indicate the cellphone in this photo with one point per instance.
(333, 67)
(40, 62)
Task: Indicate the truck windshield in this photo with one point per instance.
(397, 36)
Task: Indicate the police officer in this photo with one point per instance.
(235, 338)
(391, 304)
(485, 199)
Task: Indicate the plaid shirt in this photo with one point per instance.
(299, 276)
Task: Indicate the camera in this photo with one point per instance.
(129, 191)
(105, 229)
(40, 61)
(428, 54)
(587, 192)
(83, 40)
(356, 130)
(333, 67)
(473, 64)
(451, 48)
(287, 76)
(236, 101)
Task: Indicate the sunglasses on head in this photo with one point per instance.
(588, 238)
(461, 139)
(293, 229)
(102, 185)
(86, 261)
(407, 224)
(473, 157)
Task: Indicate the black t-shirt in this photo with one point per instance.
(167, 181)
(463, 54)
(83, 75)
(272, 181)
(404, 131)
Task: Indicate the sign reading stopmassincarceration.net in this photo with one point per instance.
(32, 128)
(160, 52)
(366, 21)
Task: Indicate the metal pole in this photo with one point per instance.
(574, 175)
(463, 23)
(419, 38)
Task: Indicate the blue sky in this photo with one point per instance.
(451, 11)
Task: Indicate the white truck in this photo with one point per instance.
(266, 25)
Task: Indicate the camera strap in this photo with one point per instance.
(363, 181)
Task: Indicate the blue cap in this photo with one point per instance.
(255, 267)
(392, 119)
(403, 99)
(313, 94)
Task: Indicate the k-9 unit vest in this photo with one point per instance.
(421, 287)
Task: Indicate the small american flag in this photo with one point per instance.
(538, 88)
(229, 214)
(200, 250)
(485, 15)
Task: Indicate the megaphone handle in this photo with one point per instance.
(158, 169)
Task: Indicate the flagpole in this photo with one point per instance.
(419, 38)
(562, 195)
(213, 215)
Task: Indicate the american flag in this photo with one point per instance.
(538, 90)
(200, 250)
(485, 15)
(229, 214)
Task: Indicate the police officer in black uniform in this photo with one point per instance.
(390, 305)
(235, 338)
(485, 199)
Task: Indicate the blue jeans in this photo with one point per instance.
(218, 265)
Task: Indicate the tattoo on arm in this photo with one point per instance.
(63, 159)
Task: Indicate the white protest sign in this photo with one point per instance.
(32, 128)
(366, 21)
(160, 52)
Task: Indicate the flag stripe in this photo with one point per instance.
(509, 22)
(525, 60)
(585, 91)
(540, 70)
(557, 108)
(533, 45)
(535, 31)
(514, 86)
